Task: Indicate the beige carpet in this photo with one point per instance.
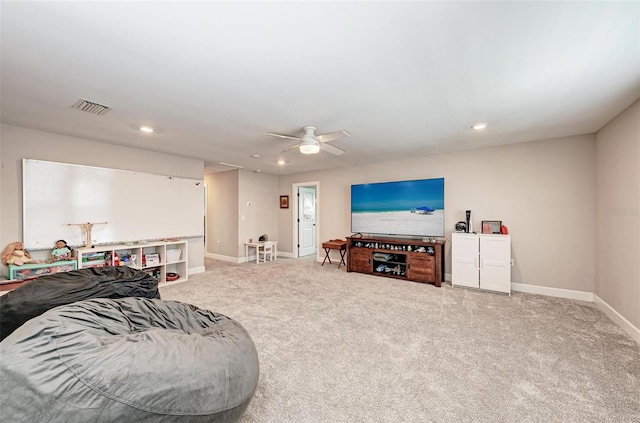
(346, 347)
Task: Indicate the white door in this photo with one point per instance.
(306, 221)
(464, 260)
(495, 262)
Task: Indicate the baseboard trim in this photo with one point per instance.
(544, 290)
(552, 292)
(195, 270)
(226, 258)
(619, 319)
(239, 260)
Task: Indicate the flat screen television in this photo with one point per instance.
(408, 208)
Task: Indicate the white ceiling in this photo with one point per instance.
(404, 78)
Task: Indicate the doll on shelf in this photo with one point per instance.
(14, 253)
(62, 251)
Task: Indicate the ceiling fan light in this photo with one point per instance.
(309, 145)
(309, 148)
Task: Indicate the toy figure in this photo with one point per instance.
(14, 253)
(62, 251)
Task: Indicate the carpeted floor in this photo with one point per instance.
(346, 347)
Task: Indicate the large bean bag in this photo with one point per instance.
(46, 292)
(127, 360)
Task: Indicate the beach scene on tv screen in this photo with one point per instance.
(399, 208)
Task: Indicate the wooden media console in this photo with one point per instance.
(408, 259)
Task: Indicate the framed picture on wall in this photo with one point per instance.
(284, 201)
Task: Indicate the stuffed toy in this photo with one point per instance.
(61, 252)
(14, 253)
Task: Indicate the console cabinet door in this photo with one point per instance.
(495, 262)
(465, 260)
(422, 268)
(360, 260)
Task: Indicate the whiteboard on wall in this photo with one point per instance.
(137, 206)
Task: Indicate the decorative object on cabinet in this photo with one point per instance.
(152, 259)
(481, 261)
(491, 226)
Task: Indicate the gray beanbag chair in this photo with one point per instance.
(46, 292)
(128, 360)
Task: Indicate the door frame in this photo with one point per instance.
(294, 205)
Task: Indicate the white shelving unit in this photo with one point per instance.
(173, 258)
(481, 261)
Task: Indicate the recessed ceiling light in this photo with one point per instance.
(479, 126)
(146, 129)
(281, 162)
(258, 170)
(256, 156)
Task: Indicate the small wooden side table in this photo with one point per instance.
(335, 244)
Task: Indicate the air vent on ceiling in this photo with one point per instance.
(91, 107)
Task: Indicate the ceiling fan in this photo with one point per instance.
(310, 143)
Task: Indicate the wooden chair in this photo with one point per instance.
(265, 250)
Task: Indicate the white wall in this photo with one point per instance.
(231, 221)
(19, 143)
(617, 243)
(261, 217)
(222, 214)
(543, 191)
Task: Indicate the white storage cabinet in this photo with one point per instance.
(173, 258)
(481, 261)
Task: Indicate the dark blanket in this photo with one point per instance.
(46, 292)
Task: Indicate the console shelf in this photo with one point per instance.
(406, 259)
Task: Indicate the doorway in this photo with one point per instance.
(305, 233)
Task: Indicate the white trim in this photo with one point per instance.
(227, 258)
(195, 270)
(553, 292)
(545, 290)
(619, 319)
(294, 219)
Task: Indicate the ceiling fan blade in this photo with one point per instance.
(291, 148)
(331, 149)
(333, 136)
(284, 136)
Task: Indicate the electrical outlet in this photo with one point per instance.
(218, 243)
